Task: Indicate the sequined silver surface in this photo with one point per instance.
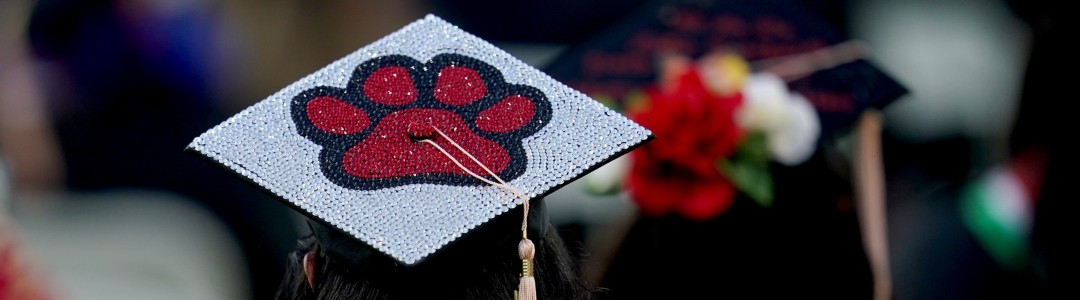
(412, 221)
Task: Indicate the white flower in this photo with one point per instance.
(796, 140)
(787, 119)
(765, 103)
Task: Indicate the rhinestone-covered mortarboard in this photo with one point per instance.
(341, 145)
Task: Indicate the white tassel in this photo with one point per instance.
(527, 286)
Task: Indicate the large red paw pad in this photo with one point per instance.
(370, 130)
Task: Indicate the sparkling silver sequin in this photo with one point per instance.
(413, 221)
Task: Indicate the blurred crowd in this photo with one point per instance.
(98, 99)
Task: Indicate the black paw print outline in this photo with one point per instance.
(336, 144)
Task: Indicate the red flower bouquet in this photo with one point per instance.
(718, 127)
(695, 127)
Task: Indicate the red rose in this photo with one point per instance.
(694, 129)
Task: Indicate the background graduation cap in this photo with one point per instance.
(808, 242)
(418, 139)
(620, 59)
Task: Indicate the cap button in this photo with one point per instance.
(420, 131)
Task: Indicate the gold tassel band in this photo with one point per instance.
(526, 268)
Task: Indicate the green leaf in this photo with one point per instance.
(752, 179)
(748, 169)
(754, 147)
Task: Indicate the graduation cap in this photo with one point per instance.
(620, 59)
(418, 139)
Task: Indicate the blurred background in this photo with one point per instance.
(99, 98)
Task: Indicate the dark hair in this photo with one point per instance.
(494, 277)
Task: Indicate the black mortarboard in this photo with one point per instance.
(620, 59)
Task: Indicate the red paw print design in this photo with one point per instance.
(369, 130)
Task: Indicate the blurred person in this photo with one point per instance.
(125, 84)
(1055, 219)
(1034, 245)
(750, 178)
(27, 141)
(980, 200)
(28, 156)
